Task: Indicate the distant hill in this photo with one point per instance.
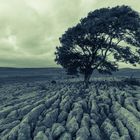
(124, 72)
(128, 72)
(23, 74)
(8, 75)
(20, 72)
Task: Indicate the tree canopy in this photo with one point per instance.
(100, 41)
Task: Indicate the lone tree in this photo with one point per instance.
(100, 41)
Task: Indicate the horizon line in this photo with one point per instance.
(1, 67)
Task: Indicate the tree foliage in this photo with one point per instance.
(100, 41)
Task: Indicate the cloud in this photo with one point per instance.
(30, 29)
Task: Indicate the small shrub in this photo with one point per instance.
(53, 82)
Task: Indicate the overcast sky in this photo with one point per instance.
(30, 29)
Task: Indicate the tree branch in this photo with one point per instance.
(110, 42)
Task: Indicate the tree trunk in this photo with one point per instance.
(86, 80)
(87, 77)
